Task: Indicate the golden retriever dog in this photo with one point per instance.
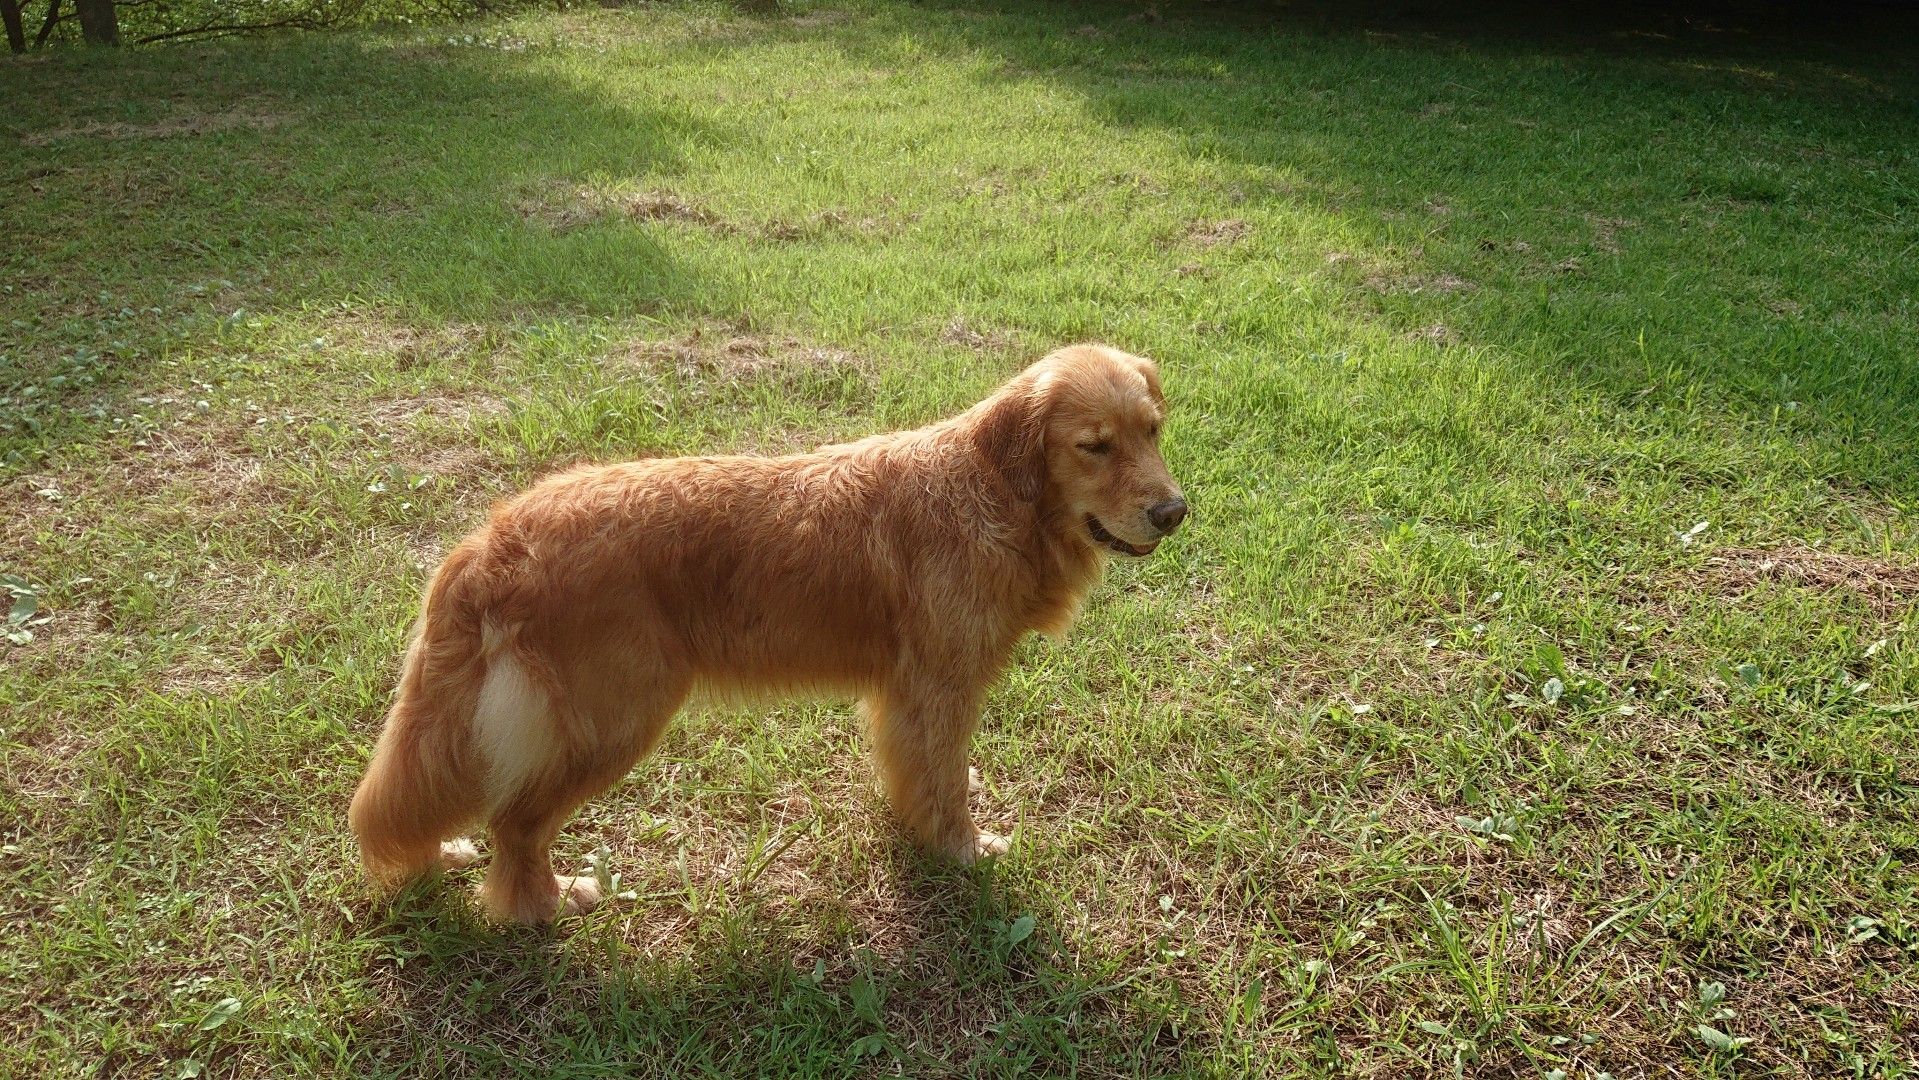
(559, 638)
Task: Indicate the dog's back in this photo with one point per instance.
(637, 582)
(558, 639)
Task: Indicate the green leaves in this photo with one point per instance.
(22, 611)
(1019, 930)
(1244, 1008)
(1560, 685)
(1746, 674)
(865, 995)
(1718, 1040)
(1711, 1005)
(1500, 828)
(223, 1010)
(1010, 934)
(867, 998)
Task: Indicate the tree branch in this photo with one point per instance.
(46, 28)
(222, 30)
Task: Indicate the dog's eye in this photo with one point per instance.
(1101, 447)
(1153, 432)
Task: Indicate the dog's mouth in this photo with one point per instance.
(1099, 534)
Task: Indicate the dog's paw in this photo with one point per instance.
(990, 844)
(984, 845)
(578, 895)
(458, 854)
(974, 785)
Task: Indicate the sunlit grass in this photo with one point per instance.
(1539, 656)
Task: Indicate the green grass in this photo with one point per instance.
(1539, 666)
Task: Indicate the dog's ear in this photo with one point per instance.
(1012, 435)
(1150, 372)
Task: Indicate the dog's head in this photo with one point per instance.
(1082, 426)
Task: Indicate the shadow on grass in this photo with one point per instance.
(258, 177)
(960, 979)
(1646, 200)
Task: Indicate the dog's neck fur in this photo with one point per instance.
(1070, 568)
(1058, 562)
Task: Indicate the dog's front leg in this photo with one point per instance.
(921, 733)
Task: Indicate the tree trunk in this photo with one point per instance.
(99, 23)
(16, 30)
(46, 28)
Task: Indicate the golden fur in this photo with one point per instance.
(558, 639)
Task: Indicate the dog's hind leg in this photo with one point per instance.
(921, 733)
(611, 725)
(418, 790)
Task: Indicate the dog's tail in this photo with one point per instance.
(426, 779)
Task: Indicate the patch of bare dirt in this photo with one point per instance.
(181, 466)
(45, 772)
(1436, 334)
(1606, 232)
(1889, 586)
(201, 124)
(823, 17)
(1391, 282)
(408, 345)
(665, 206)
(725, 354)
(447, 406)
(960, 332)
(562, 212)
(568, 209)
(1212, 234)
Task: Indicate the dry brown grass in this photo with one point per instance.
(568, 208)
(1435, 333)
(1385, 281)
(1606, 231)
(730, 355)
(1889, 587)
(808, 20)
(187, 466)
(407, 344)
(243, 118)
(959, 331)
(1204, 233)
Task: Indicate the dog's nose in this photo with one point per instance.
(1166, 516)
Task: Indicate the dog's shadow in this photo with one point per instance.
(951, 971)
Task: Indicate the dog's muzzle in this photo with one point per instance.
(1100, 535)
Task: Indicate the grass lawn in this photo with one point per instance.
(1536, 689)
